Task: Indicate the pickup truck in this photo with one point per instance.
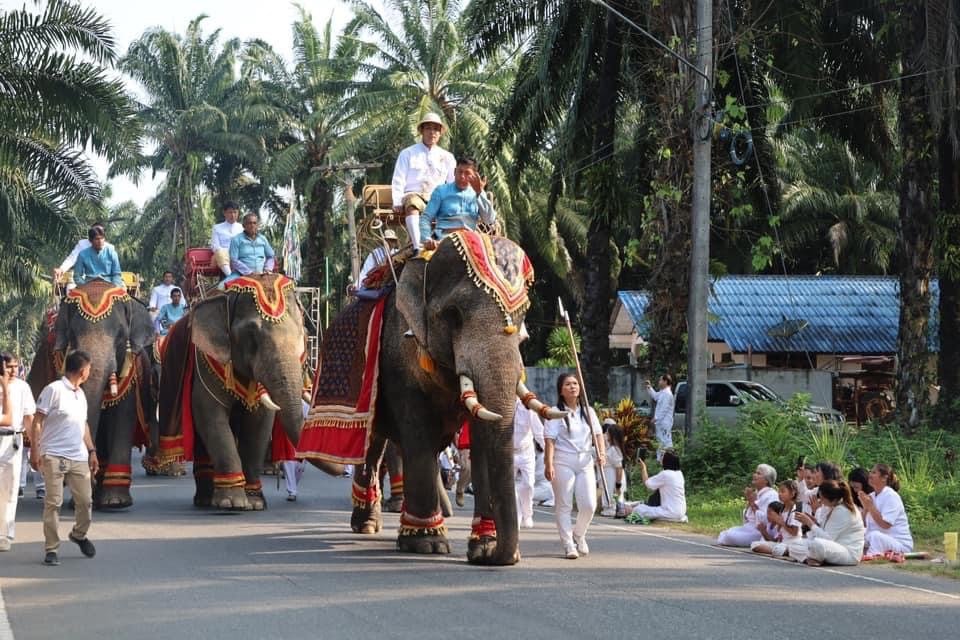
(725, 397)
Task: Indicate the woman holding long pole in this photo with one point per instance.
(568, 464)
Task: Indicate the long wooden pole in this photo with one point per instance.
(583, 391)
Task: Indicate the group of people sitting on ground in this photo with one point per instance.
(819, 518)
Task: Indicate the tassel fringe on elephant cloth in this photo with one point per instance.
(338, 425)
(177, 438)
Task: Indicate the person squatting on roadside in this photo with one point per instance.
(836, 534)
(420, 169)
(18, 411)
(663, 412)
(223, 233)
(527, 433)
(569, 464)
(758, 495)
(460, 204)
(64, 451)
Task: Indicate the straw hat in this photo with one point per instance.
(431, 118)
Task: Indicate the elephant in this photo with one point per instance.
(236, 362)
(117, 333)
(461, 363)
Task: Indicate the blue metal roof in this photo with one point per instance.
(843, 314)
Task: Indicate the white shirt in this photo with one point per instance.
(527, 428)
(421, 170)
(71, 259)
(223, 233)
(614, 457)
(673, 497)
(21, 402)
(65, 408)
(577, 438)
(160, 295)
(890, 506)
(375, 258)
(764, 497)
(841, 525)
(663, 414)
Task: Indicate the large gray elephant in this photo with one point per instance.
(462, 363)
(236, 361)
(117, 333)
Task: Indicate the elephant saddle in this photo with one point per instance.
(338, 425)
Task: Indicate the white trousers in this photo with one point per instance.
(613, 496)
(10, 462)
(664, 437)
(542, 488)
(523, 482)
(826, 552)
(740, 536)
(878, 542)
(292, 472)
(412, 224)
(658, 513)
(573, 476)
(26, 470)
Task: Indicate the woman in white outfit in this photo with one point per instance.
(670, 483)
(613, 471)
(759, 495)
(527, 429)
(568, 464)
(884, 515)
(836, 535)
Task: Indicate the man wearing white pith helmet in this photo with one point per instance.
(419, 170)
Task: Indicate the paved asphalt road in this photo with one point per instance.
(166, 570)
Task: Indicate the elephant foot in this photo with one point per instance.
(202, 500)
(231, 499)
(393, 504)
(484, 550)
(256, 501)
(432, 544)
(366, 520)
(173, 469)
(114, 498)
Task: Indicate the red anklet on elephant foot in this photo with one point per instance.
(364, 497)
(483, 528)
(117, 475)
(432, 525)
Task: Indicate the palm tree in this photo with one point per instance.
(192, 117)
(56, 99)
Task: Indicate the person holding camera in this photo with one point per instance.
(670, 483)
(664, 402)
(759, 495)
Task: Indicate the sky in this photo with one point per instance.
(269, 20)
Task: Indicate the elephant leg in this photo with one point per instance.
(365, 493)
(393, 461)
(117, 425)
(421, 523)
(202, 475)
(494, 529)
(212, 422)
(255, 430)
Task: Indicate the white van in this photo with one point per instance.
(725, 397)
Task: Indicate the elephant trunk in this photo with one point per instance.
(284, 388)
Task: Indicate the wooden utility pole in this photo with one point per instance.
(702, 126)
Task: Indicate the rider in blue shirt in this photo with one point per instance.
(456, 205)
(99, 260)
(249, 251)
(171, 312)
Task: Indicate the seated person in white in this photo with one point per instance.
(613, 473)
(781, 517)
(884, 514)
(670, 483)
(223, 233)
(758, 495)
(836, 535)
(420, 169)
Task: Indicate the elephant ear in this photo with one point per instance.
(61, 329)
(410, 302)
(142, 331)
(210, 329)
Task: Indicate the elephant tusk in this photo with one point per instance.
(468, 396)
(529, 400)
(268, 402)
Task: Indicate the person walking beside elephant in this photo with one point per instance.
(250, 252)
(17, 394)
(99, 260)
(463, 459)
(457, 205)
(569, 464)
(223, 233)
(527, 432)
(420, 169)
(62, 441)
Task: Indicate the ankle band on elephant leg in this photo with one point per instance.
(363, 497)
(228, 480)
(117, 475)
(483, 528)
(253, 488)
(432, 525)
(396, 485)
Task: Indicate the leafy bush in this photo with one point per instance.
(776, 432)
(718, 457)
(637, 433)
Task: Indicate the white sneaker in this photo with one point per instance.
(4, 544)
(571, 553)
(527, 523)
(582, 546)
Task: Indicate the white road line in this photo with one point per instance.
(6, 632)
(762, 557)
